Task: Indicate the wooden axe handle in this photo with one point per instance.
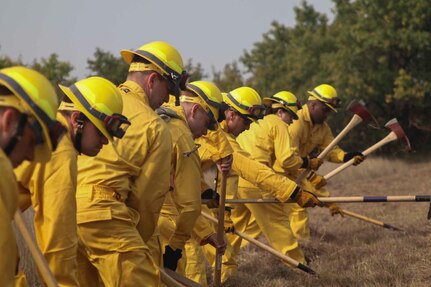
(353, 122)
(168, 280)
(389, 138)
(220, 230)
(37, 255)
(370, 220)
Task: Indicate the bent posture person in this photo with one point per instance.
(28, 131)
(121, 191)
(91, 111)
(311, 132)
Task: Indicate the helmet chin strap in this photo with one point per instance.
(17, 136)
(78, 135)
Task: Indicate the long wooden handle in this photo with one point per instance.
(353, 122)
(37, 255)
(220, 230)
(389, 138)
(370, 220)
(168, 280)
(340, 199)
(265, 247)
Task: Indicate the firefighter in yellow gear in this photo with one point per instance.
(91, 111)
(245, 107)
(311, 132)
(120, 192)
(28, 131)
(198, 111)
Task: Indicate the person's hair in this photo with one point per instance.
(5, 92)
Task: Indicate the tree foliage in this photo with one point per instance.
(228, 79)
(105, 64)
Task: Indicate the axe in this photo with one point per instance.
(360, 114)
(220, 230)
(397, 132)
(265, 247)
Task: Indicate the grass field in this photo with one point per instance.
(349, 252)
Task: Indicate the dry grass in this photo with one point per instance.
(349, 252)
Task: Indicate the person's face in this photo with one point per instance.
(319, 112)
(159, 90)
(24, 149)
(285, 116)
(198, 121)
(237, 123)
(92, 139)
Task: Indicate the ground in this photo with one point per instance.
(347, 251)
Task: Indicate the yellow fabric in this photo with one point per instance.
(214, 146)
(185, 199)
(306, 136)
(121, 185)
(8, 206)
(52, 187)
(195, 269)
(21, 280)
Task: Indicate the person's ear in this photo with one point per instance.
(193, 110)
(151, 80)
(9, 120)
(74, 119)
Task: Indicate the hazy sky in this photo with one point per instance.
(211, 32)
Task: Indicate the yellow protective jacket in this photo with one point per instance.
(306, 136)
(52, 187)
(137, 168)
(8, 206)
(267, 142)
(184, 201)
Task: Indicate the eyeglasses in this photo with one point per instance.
(255, 111)
(115, 124)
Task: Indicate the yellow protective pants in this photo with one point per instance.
(195, 269)
(8, 248)
(110, 242)
(272, 221)
(299, 222)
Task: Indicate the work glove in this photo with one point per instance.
(317, 180)
(356, 155)
(228, 223)
(305, 198)
(211, 197)
(312, 163)
(335, 209)
(171, 257)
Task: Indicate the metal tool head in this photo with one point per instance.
(395, 126)
(358, 108)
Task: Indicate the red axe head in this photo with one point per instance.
(358, 108)
(395, 126)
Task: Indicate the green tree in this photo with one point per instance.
(58, 72)
(105, 64)
(228, 79)
(196, 72)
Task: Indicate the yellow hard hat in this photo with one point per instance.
(246, 101)
(39, 100)
(164, 58)
(210, 99)
(285, 100)
(101, 102)
(326, 94)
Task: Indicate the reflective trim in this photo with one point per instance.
(99, 115)
(204, 96)
(172, 73)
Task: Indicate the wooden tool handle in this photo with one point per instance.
(389, 138)
(220, 230)
(37, 255)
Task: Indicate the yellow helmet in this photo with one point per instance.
(210, 99)
(101, 102)
(164, 59)
(285, 100)
(246, 101)
(37, 99)
(326, 94)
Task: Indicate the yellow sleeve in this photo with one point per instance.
(154, 175)
(8, 206)
(187, 190)
(203, 227)
(336, 154)
(214, 146)
(285, 155)
(262, 176)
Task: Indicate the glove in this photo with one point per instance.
(317, 180)
(356, 155)
(335, 209)
(212, 198)
(228, 223)
(304, 198)
(171, 257)
(312, 163)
